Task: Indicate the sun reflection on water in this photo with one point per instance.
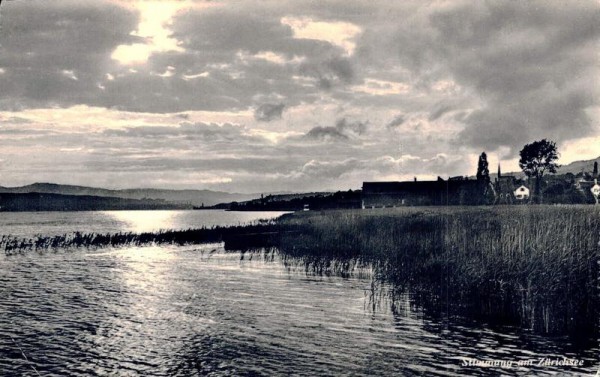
(144, 221)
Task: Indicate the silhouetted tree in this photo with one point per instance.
(595, 169)
(536, 159)
(483, 178)
(483, 171)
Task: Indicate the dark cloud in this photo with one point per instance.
(524, 69)
(71, 44)
(268, 112)
(531, 62)
(343, 130)
(326, 133)
(330, 72)
(59, 53)
(352, 127)
(225, 29)
(397, 121)
(55, 53)
(438, 112)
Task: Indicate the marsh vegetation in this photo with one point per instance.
(535, 266)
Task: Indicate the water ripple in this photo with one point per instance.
(180, 311)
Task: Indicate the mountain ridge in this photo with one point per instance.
(572, 167)
(186, 196)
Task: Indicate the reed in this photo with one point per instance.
(536, 266)
(230, 235)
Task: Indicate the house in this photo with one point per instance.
(596, 190)
(522, 193)
(411, 193)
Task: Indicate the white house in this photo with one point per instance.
(596, 190)
(522, 193)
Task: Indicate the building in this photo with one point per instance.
(587, 188)
(420, 193)
(596, 190)
(504, 188)
(508, 188)
(521, 193)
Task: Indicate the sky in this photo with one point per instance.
(266, 96)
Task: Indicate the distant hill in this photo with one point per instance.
(574, 167)
(296, 202)
(177, 197)
(577, 166)
(18, 202)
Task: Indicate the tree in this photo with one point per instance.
(595, 174)
(483, 178)
(536, 159)
(483, 171)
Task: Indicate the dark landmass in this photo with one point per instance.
(297, 202)
(33, 202)
(188, 198)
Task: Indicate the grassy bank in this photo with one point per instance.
(532, 265)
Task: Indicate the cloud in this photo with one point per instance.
(16, 120)
(343, 130)
(326, 133)
(518, 71)
(329, 73)
(153, 29)
(438, 112)
(338, 33)
(328, 170)
(203, 131)
(531, 63)
(352, 127)
(269, 111)
(53, 52)
(397, 121)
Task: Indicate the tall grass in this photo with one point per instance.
(532, 265)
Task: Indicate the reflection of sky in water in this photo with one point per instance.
(29, 224)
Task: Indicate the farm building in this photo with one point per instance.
(590, 189)
(410, 193)
(596, 191)
(521, 193)
(508, 188)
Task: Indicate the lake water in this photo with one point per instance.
(198, 310)
(29, 224)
